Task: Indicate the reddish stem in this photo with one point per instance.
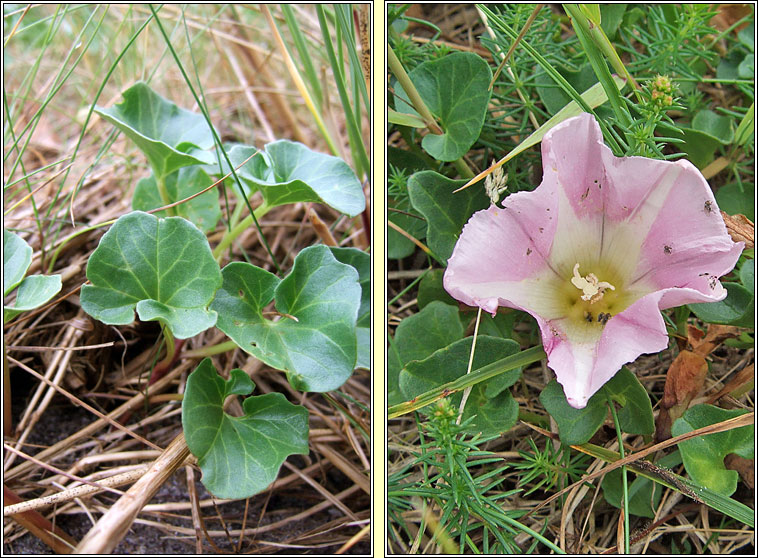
(40, 527)
(162, 368)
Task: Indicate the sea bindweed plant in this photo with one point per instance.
(161, 266)
(610, 251)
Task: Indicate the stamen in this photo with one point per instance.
(592, 288)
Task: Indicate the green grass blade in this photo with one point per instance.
(485, 373)
(362, 164)
(302, 50)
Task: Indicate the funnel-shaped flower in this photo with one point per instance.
(594, 253)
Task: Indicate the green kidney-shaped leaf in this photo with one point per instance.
(17, 257)
(445, 212)
(736, 198)
(699, 146)
(490, 403)
(747, 275)
(163, 267)
(636, 412)
(239, 456)
(715, 125)
(33, 291)
(456, 90)
(431, 288)
(418, 336)
(314, 342)
(361, 261)
(575, 426)
(703, 456)
(288, 172)
(407, 219)
(203, 210)
(169, 136)
(736, 309)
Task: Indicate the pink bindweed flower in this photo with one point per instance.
(594, 253)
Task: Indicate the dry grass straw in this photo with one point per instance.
(60, 359)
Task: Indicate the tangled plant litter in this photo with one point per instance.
(594, 253)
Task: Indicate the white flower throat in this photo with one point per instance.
(590, 286)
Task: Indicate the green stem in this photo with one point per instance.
(418, 104)
(170, 346)
(211, 350)
(161, 181)
(237, 230)
(623, 475)
(463, 169)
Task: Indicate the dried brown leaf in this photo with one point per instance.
(740, 228)
(684, 381)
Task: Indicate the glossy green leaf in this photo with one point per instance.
(363, 338)
(203, 210)
(445, 212)
(169, 136)
(746, 68)
(239, 456)
(430, 288)
(734, 198)
(502, 324)
(398, 245)
(746, 36)
(490, 405)
(747, 275)
(17, 257)
(644, 494)
(575, 426)
(717, 126)
(418, 336)
(318, 302)
(163, 267)
(612, 15)
(288, 172)
(699, 146)
(703, 456)
(736, 309)
(34, 291)
(361, 261)
(456, 90)
(636, 412)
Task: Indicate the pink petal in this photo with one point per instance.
(499, 250)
